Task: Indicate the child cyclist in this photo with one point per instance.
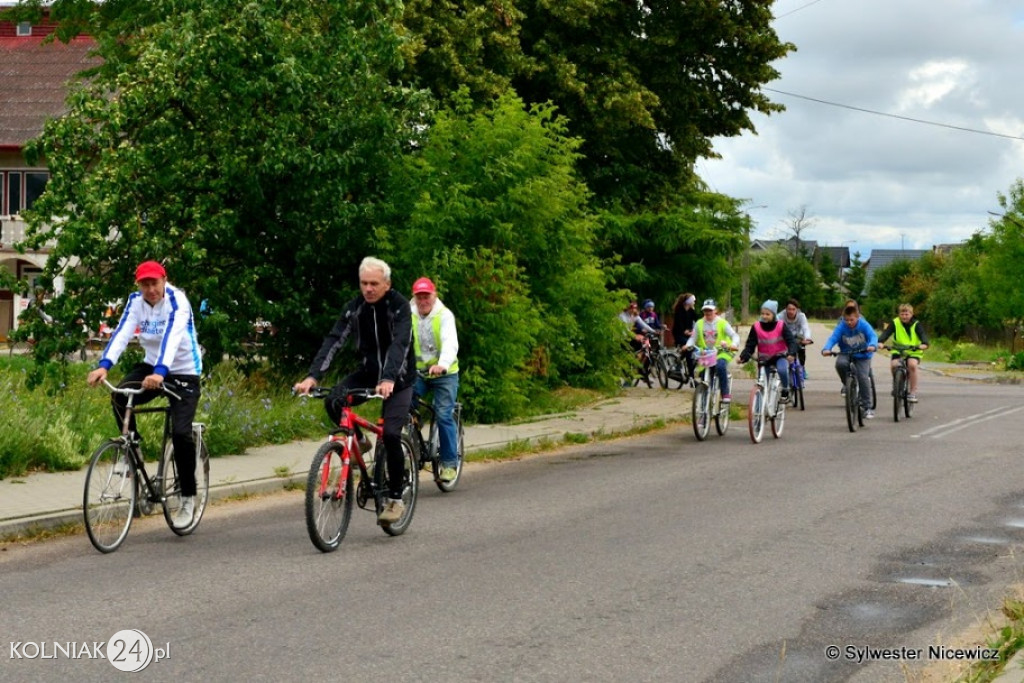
(772, 338)
(855, 333)
(711, 332)
(906, 330)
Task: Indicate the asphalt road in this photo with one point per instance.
(652, 558)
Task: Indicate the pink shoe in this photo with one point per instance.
(726, 398)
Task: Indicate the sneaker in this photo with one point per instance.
(784, 396)
(184, 516)
(869, 414)
(448, 474)
(842, 392)
(726, 398)
(392, 512)
(912, 398)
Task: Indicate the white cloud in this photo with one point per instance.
(883, 181)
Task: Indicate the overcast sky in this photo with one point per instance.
(871, 181)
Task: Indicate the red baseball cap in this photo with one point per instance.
(149, 269)
(423, 286)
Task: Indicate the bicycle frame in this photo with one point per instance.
(154, 491)
(346, 432)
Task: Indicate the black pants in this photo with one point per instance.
(395, 412)
(183, 412)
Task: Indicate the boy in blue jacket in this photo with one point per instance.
(854, 333)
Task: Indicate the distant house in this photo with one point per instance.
(883, 257)
(33, 86)
(839, 256)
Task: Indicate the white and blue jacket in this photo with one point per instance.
(167, 333)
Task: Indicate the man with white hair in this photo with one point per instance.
(379, 321)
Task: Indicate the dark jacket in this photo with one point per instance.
(683, 319)
(382, 334)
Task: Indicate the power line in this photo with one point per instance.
(815, 2)
(896, 116)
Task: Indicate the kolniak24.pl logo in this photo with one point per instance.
(127, 650)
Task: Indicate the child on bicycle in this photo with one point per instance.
(906, 330)
(772, 339)
(713, 331)
(797, 323)
(850, 334)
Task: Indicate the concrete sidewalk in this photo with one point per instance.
(47, 500)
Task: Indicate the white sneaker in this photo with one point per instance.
(184, 516)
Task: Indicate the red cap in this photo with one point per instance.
(149, 269)
(423, 285)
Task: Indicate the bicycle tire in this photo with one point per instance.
(908, 405)
(755, 414)
(852, 400)
(410, 486)
(700, 412)
(897, 393)
(778, 420)
(796, 387)
(143, 505)
(721, 410)
(329, 497)
(449, 486)
(109, 496)
(661, 370)
(171, 487)
(874, 394)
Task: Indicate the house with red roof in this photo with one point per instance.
(34, 77)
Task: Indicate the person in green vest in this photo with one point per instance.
(436, 344)
(906, 330)
(714, 332)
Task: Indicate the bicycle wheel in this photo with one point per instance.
(755, 413)
(448, 486)
(796, 386)
(661, 370)
(700, 413)
(410, 485)
(898, 392)
(109, 496)
(874, 394)
(167, 473)
(329, 496)
(852, 401)
(720, 410)
(908, 405)
(778, 420)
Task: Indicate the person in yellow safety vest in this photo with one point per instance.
(436, 345)
(714, 332)
(906, 330)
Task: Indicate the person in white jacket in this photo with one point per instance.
(163, 317)
(436, 344)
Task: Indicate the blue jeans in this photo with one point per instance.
(723, 375)
(782, 367)
(446, 389)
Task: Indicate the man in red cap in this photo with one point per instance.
(436, 343)
(162, 314)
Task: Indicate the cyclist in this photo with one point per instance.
(637, 329)
(772, 338)
(163, 316)
(436, 344)
(855, 333)
(379, 321)
(714, 331)
(907, 330)
(650, 316)
(684, 317)
(797, 323)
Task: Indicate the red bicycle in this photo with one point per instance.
(331, 485)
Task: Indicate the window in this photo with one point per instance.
(13, 193)
(35, 183)
(24, 28)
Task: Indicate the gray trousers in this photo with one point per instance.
(862, 366)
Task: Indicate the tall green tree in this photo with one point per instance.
(1000, 271)
(885, 292)
(855, 282)
(498, 186)
(246, 144)
(781, 275)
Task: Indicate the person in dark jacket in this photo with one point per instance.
(684, 319)
(379, 322)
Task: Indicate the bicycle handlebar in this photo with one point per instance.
(324, 392)
(850, 352)
(135, 392)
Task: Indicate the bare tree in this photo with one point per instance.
(797, 224)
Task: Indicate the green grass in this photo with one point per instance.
(1007, 640)
(949, 351)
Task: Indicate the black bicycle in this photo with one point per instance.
(851, 388)
(901, 380)
(118, 486)
(428, 450)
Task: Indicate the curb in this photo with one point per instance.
(15, 526)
